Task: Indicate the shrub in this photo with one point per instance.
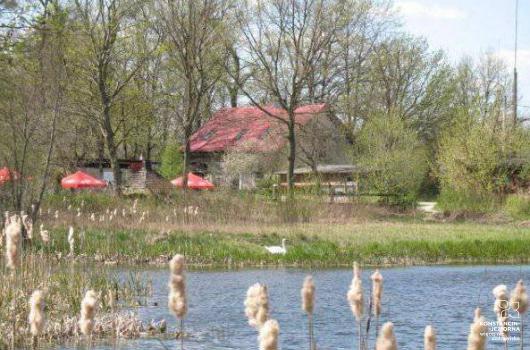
(395, 158)
(518, 206)
(458, 201)
(171, 161)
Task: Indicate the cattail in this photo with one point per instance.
(501, 307)
(111, 299)
(257, 305)
(28, 225)
(44, 235)
(13, 234)
(386, 339)
(36, 317)
(308, 295)
(177, 287)
(89, 307)
(268, 335)
(377, 292)
(430, 338)
(477, 332)
(71, 240)
(308, 303)
(519, 298)
(355, 293)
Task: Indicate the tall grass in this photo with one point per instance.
(518, 206)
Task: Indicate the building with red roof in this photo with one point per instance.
(252, 131)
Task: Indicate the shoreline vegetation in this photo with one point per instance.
(507, 244)
(53, 260)
(223, 231)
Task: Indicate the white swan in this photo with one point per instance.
(277, 249)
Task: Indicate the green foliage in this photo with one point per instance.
(478, 161)
(455, 201)
(172, 161)
(394, 157)
(518, 206)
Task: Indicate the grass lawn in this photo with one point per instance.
(387, 242)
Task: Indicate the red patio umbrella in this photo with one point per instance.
(7, 175)
(195, 182)
(81, 180)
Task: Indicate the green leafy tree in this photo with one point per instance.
(172, 161)
(395, 158)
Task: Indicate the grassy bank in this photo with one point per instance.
(378, 243)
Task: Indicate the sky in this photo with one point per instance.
(473, 27)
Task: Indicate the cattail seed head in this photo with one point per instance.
(430, 338)
(519, 298)
(257, 305)
(501, 307)
(386, 339)
(44, 235)
(71, 240)
(355, 293)
(36, 317)
(268, 335)
(89, 307)
(177, 301)
(377, 292)
(28, 225)
(308, 295)
(477, 332)
(13, 236)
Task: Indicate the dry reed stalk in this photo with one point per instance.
(477, 332)
(177, 301)
(71, 241)
(356, 300)
(429, 338)
(268, 335)
(386, 339)
(44, 234)
(308, 304)
(257, 305)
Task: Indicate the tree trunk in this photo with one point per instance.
(186, 167)
(292, 156)
(113, 150)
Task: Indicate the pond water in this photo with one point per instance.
(444, 296)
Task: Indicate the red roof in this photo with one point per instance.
(80, 180)
(248, 127)
(194, 182)
(6, 174)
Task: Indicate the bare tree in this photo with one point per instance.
(34, 85)
(284, 42)
(110, 61)
(194, 32)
